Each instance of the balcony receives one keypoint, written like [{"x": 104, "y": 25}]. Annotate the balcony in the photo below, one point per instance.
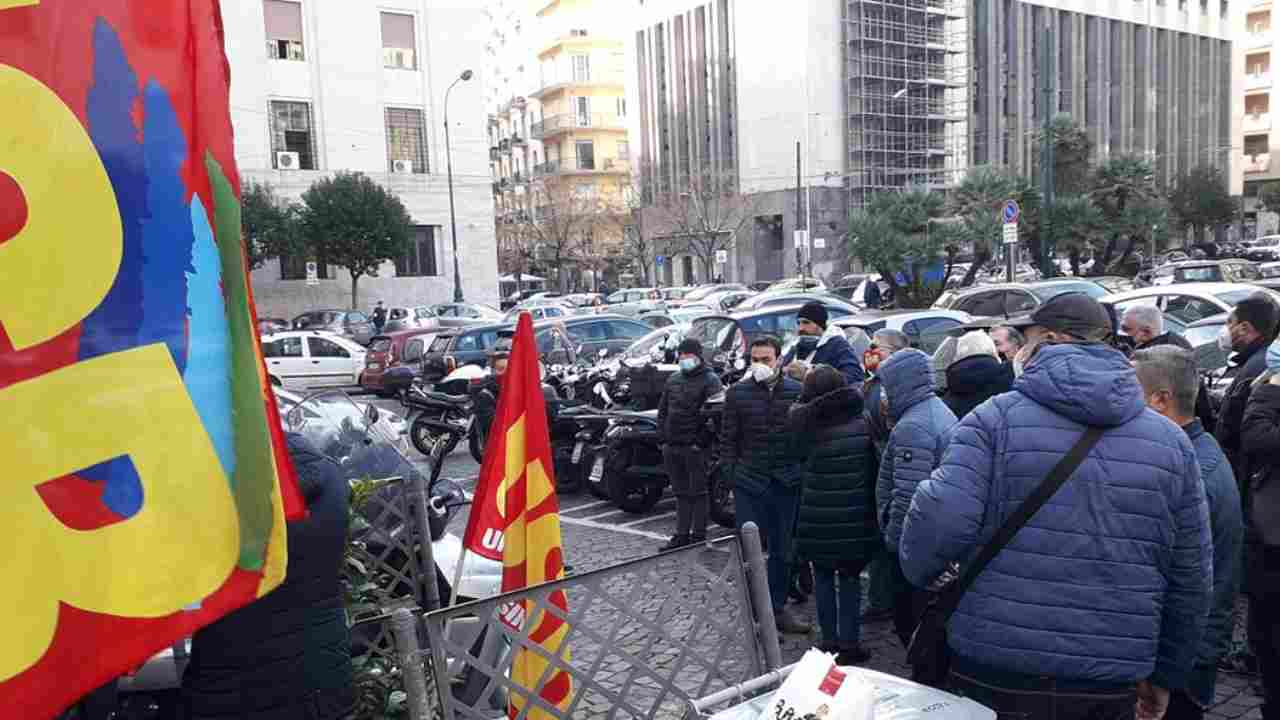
[
  {"x": 600, "y": 78},
  {"x": 1258, "y": 163},
  {"x": 1257, "y": 122},
  {"x": 599, "y": 165},
  {"x": 1257, "y": 81},
  {"x": 565, "y": 122},
  {"x": 1258, "y": 40}
]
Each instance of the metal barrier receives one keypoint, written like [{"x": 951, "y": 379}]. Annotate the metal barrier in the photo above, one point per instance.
[
  {"x": 396, "y": 548},
  {"x": 645, "y": 638}
]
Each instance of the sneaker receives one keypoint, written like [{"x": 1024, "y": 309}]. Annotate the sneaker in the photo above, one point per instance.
[
  {"x": 852, "y": 655},
  {"x": 675, "y": 543},
  {"x": 787, "y": 622}
]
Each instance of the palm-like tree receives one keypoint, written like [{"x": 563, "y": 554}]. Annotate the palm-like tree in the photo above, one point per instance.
[
  {"x": 976, "y": 202},
  {"x": 1126, "y": 194}
]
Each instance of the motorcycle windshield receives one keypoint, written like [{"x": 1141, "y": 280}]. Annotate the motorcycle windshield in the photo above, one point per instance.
[{"x": 358, "y": 440}]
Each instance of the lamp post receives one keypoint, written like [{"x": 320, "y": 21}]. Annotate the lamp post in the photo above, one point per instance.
[{"x": 448, "y": 159}]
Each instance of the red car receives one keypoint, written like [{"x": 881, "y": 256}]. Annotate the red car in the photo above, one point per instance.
[{"x": 385, "y": 352}]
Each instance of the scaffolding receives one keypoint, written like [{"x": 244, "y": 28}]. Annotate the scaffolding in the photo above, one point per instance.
[{"x": 907, "y": 81}]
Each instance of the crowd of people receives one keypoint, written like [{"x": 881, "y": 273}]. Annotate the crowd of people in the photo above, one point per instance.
[{"x": 1112, "y": 594}]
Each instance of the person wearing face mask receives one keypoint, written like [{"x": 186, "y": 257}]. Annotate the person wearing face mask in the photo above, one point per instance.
[
  {"x": 679, "y": 422},
  {"x": 821, "y": 344},
  {"x": 1096, "y": 607},
  {"x": 1250, "y": 328},
  {"x": 765, "y": 465},
  {"x": 1145, "y": 325},
  {"x": 885, "y": 342}
]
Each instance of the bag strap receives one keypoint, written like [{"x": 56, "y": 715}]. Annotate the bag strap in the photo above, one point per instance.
[{"x": 1050, "y": 485}]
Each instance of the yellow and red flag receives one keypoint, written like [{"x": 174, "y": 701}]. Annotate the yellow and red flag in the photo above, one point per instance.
[
  {"x": 146, "y": 485},
  {"x": 516, "y": 509}
]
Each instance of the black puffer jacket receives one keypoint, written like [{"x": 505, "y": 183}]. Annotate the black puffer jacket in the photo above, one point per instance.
[
  {"x": 1260, "y": 440},
  {"x": 974, "y": 379},
  {"x": 837, "y": 521},
  {"x": 680, "y": 410},
  {"x": 753, "y": 438},
  {"x": 1250, "y": 363},
  {"x": 286, "y": 656}
]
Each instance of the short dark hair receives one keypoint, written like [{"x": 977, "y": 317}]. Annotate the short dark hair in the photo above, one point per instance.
[
  {"x": 1260, "y": 311},
  {"x": 768, "y": 341}
]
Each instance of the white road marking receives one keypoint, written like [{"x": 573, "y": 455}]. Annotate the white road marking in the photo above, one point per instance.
[
  {"x": 612, "y": 528},
  {"x": 597, "y": 516},
  {"x": 585, "y": 506},
  {"x": 643, "y": 520}
]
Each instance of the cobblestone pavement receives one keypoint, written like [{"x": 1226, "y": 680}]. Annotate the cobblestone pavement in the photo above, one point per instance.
[{"x": 597, "y": 535}]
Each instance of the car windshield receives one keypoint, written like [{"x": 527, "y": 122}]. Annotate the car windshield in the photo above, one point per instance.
[
  {"x": 1203, "y": 334},
  {"x": 1048, "y": 292},
  {"x": 441, "y": 343},
  {"x": 711, "y": 332},
  {"x": 639, "y": 350},
  {"x": 1233, "y": 297},
  {"x": 380, "y": 344}
]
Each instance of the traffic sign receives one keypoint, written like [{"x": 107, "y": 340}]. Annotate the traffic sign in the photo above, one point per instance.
[
  {"x": 819, "y": 243},
  {"x": 722, "y": 257},
  {"x": 802, "y": 239},
  {"x": 1010, "y": 213},
  {"x": 1011, "y": 233},
  {"x": 661, "y": 260},
  {"x": 313, "y": 274}
]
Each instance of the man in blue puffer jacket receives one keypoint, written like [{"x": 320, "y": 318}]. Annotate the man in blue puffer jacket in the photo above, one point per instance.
[
  {"x": 921, "y": 422},
  {"x": 1101, "y": 598}
]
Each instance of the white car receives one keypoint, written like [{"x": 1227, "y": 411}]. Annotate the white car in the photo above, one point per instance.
[
  {"x": 307, "y": 360},
  {"x": 925, "y": 328},
  {"x": 1187, "y": 302}
]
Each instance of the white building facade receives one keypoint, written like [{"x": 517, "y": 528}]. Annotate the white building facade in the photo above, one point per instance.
[{"x": 320, "y": 87}]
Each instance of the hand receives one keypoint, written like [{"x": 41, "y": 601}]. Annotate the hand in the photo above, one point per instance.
[
  {"x": 797, "y": 369},
  {"x": 1153, "y": 701}
]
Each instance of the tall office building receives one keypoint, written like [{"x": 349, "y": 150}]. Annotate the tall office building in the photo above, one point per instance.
[
  {"x": 322, "y": 87},
  {"x": 1256, "y": 47}
]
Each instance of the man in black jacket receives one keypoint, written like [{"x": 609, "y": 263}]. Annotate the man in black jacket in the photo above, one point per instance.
[
  {"x": 679, "y": 422},
  {"x": 1145, "y": 324},
  {"x": 764, "y": 463},
  {"x": 1251, "y": 326},
  {"x": 1260, "y": 441}
]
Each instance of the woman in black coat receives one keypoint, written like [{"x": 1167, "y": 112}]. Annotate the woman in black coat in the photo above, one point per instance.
[
  {"x": 836, "y": 529},
  {"x": 287, "y": 655}
]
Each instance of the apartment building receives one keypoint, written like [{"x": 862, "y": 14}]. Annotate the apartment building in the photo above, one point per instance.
[
  {"x": 321, "y": 87},
  {"x": 557, "y": 131},
  {"x": 1257, "y": 45}
]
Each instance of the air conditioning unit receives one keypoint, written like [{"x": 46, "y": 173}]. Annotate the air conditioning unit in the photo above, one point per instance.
[
  {"x": 402, "y": 166},
  {"x": 287, "y": 160}
]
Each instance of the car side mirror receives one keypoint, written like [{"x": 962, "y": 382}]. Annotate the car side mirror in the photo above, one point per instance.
[
  {"x": 604, "y": 353},
  {"x": 371, "y": 414}
]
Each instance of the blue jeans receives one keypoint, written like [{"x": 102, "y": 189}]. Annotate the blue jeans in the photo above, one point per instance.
[
  {"x": 774, "y": 512},
  {"x": 839, "y": 611}
]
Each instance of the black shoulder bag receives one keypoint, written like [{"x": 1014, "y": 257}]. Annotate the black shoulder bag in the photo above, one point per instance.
[{"x": 928, "y": 653}]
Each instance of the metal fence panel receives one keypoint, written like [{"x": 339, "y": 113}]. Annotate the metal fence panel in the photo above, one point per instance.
[{"x": 645, "y": 638}]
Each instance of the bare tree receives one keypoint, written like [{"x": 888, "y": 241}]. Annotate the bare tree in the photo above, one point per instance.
[
  {"x": 702, "y": 214},
  {"x": 564, "y": 227}
]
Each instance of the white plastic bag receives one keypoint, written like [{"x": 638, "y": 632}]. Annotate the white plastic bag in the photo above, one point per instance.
[{"x": 817, "y": 689}]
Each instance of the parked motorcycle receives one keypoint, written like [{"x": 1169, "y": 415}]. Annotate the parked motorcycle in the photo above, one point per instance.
[
  {"x": 632, "y": 471},
  {"x": 436, "y": 414}
]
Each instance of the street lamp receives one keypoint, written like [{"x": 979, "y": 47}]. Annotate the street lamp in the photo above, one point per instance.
[{"x": 448, "y": 159}]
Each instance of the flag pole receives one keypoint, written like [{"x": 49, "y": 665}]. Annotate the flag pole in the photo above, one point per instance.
[{"x": 457, "y": 577}]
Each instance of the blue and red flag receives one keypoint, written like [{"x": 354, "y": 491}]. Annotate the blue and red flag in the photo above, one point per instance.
[{"x": 146, "y": 485}]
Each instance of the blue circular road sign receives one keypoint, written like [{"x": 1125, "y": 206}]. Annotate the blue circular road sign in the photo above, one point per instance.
[{"x": 1010, "y": 212}]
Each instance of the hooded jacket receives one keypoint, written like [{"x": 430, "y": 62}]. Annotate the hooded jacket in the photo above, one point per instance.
[
  {"x": 837, "y": 518},
  {"x": 833, "y": 349},
  {"x": 921, "y": 423},
  {"x": 680, "y": 409},
  {"x": 974, "y": 379},
  {"x": 1110, "y": 580}
]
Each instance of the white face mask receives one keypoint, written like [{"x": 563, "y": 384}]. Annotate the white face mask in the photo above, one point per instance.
[
  {"x": 1017, "y": 367},
  {"x": 761, "y": 373},
  {"x": 1224, "y": 339}
]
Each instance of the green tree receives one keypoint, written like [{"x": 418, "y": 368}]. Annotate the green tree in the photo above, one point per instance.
[
  {"x": 894, "y": 235},
  {"x": 1078, "y": 228},
  {"x": 976, "y": 204},
  {"x": 1200, "y": 200},
  {"x": 1072, "y": 148},
  {"x": 1269, "y": 196},
  {"x": 269, "y": 226},
  {"x": 1125, "y": 193},
  {"x": 353, "y": 222}
]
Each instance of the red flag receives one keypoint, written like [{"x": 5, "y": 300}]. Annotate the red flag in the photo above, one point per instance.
[{"x": 146, "y": 483}]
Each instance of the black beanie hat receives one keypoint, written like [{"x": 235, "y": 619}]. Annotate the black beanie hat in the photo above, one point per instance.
[
  {"x": 814, "y": 312},
  {"x": 689, "y": 346}
]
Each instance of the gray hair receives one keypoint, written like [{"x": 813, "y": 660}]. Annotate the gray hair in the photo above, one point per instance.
[
  {"x": 1148, "y": 317},
  {"x": 1013, "y": 334},
  {"x": 893, "y": 340},
  {"x": 1172, "y": 369}
]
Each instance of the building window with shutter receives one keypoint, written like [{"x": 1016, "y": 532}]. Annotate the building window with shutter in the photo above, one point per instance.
[
  {"x": 586, "y": 151},
  {"x": 581, "y": 68},
  {"x": 419, "y": 259},
  {"x": 293, "y": 143},
  {"x": 284, "y": 29},
  {"x": 399, "y": 45},
  {"x": 622, "y": 107},
  {"x": 406, "y": 140}
]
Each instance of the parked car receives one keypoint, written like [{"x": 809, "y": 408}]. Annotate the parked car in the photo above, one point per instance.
[
  {"x": 702, "y": 291},
  {"x": 926, "y": 329},
  {"x": 759, "y": 285},
  {"x": 1188, "y": 302},
  {"x": 1014, "y": 299},
  {"x": 726, "y": 337},
  {"x": 451, "y": 349},
  {"x": 808, "y": 283},
  {"x": 790, "y": 297},
  {"x": 350, "y": 324},
  {"x": 540, "y": 310},
  {"x": 1187, "y": 271},
  {"x": 726, "y": 300},
  {"x": 465, "y": 314},
  {"x": 410, "y": 318},
  {"x": 1264, "y": 249},
  {"x": 635, "y": 301},
  {"x": 689, "y": 312},
  {"x": 386, "y": 351},
  {"x": 271, "y": 325},
  {"x": 1114, "y": 283},
  {"x": 306, "y": 360},
  {"x": 675, "y": 296},
  {"x": 1203, "y": 336},
  {"x": 656, "y": 319},
  {"x": 614, "y": 333}
]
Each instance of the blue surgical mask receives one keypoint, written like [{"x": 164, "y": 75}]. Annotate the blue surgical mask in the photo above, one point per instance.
[
  {"x": 688, "y": 364},
  {"x": 1273, "y": 356}
]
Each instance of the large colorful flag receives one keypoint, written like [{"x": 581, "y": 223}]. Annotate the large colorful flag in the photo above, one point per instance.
[
  {"x": 516, "y": 499},
  {"x": 145, "y": 482}
]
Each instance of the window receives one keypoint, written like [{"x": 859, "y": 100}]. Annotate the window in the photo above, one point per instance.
[
  {"x": 987, "y": 304},
  {"x": 291, "y": 132},
  {"x": 399, "y": 48},
  {"x": 419, "y": 259},
  {"x": 290, "y": 347},
  {"x": 590, "y": 331},
  {"x": 322, "y": 348},
  {"x": 622, "y": 107},
  {"x": 624, "y": 150},
  {"x": 1256, "y": 144},
  {"x": 294, "y": 267},
  {"x": 406, "y": 140},
  {"x": 284, "y": 29},
  {"x": 625, "y": 330},
  {"x": 581, "y": 68},
  {"x": 1019, "y": 302},
  {"x": 582, "y": 111},
  {"x": 586, "y": 152},
  {"x": 1189, "y": 309}
]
